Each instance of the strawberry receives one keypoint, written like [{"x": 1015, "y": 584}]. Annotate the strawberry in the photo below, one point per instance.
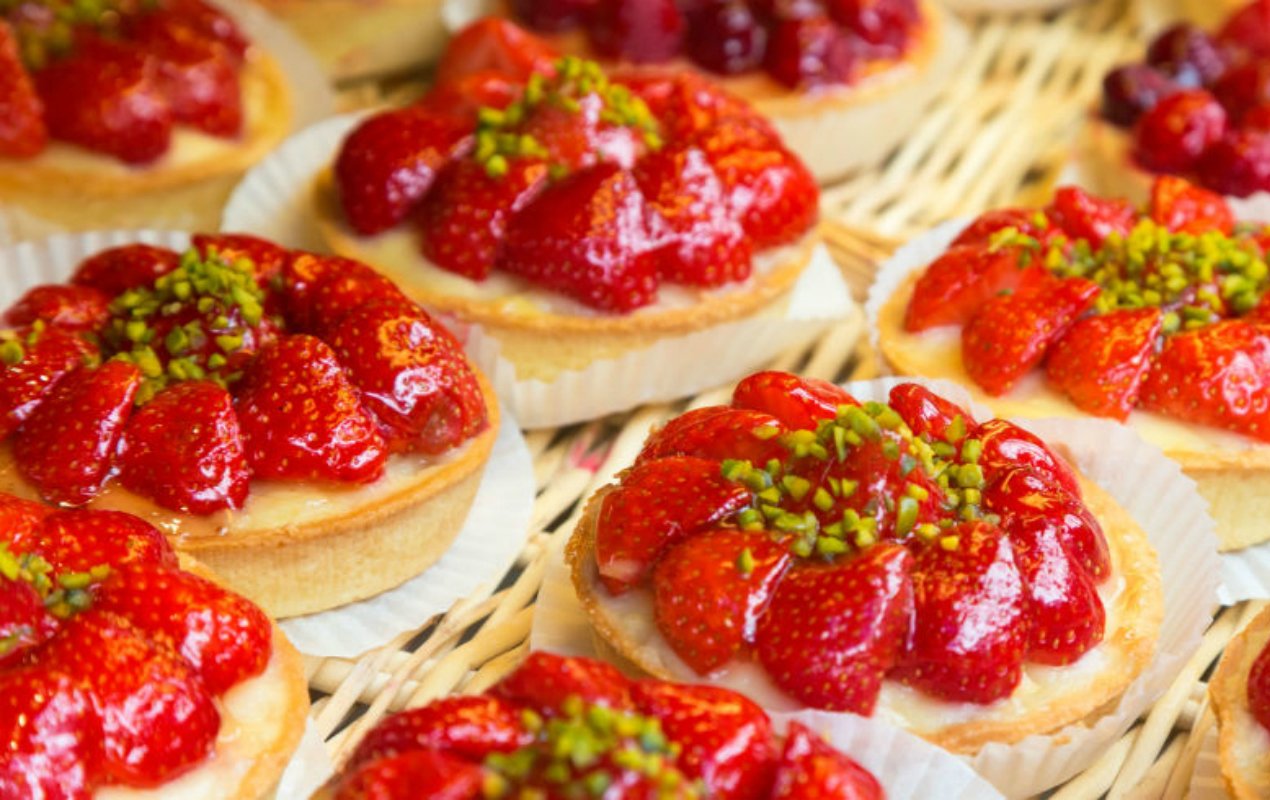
[
  {"x": 464, "y": 98},
  {"x": 1007, "y": 445},
  {"x": 20, "y": 519},
  {"x": 197, "y": 76},
  {"x": 881, "y": 467},
  {"x": 45, "y": 357},
  {"x": 657, "y": 504},
  {"x": 410, "y": 377},
  {"x": 799, "y": 402},
  {"x": 65, "y": 447},
  {"x": 1018, "y": 491},
  {"x": 334, "y": 298},
  {"x": 303, "y": 273},
  {"x": 1084, "y": 216},
  {"x": 24, "y": 622},
  {"x": 494, "y": 44},
  {"x": 582, "y": 134},
  {"x": 1183, "y": 207},
  {"x": 222, "y": 636},
  {"x": 543, "y": 682},
  {"x": 106, "y": 97},
  {"x": 590, "y": 236},
  {"x": 61, "y": 305},
  {"x": 1217, "y": 375},
  {"x": 709, "y": 591},
  {"x": 726, "y": 739},
  {"x": 50, "y": 734},
  {"x": 22, "y": 131},
  {"x": 809, "y": 769},
  {"x": 78, "y": 540},
  {"x": 1023, "y": 220},
  {"x": 118, "y": 269},
  {"x": 469, "y": 727},
  {"x": 718, "y": 432},
  {"x": 686, "y": 103},
  {"x": 210, "y": 21},
  {"x": 464, "y": 218},
  {"x": 552, "y": 15},
  {"x": 831, "y": 633},
  {"x": 183, "y": 450},
  {"x": 389, "y": 161},
  {"x": 954, "y": 286},
  {"x": 1101, "y": 361},
  {"x": 1010, "y": 334},
  {"x": 301, "y": 417},
  {"x": 926, "y": 413},
  {"x": 158, "y": 720},
  {"x": 707, "y": 245},
  {"x": 267, "y": 258},
  {"x": 1258, "y": 688},
  {"x": 418, "y": 773}
]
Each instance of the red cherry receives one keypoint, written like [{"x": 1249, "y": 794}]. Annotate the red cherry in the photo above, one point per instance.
[
  {"x": 1131, "y": 90},
  {"x": 725, "y": 37},
  {"x": 1242, "y": 88},
  {"x": 809, "y": 51},
  {"x": 643, "y": 31},
  {"x": 1188, "y": 54},
  {"x": 552, "y": 15}
]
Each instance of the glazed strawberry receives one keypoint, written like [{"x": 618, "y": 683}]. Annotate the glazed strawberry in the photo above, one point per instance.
[
  {"x": 972, "y": 630},
  {"x": 130, "y": 266},
  {"x": 1025, "y": 221},
  {"x": 1101, "y": 361},
  {"x": 65, "y": 446},
  {"x": 796, "y": 401},
  {"x": 686, "y": 104},
  {"x": 962, "y": 279},
  {"x": 493, "y": 44},
  {"x": 213, "y": 23},
  {"x": 1215, "y": 375},
  {"x": 811, "y": 770},
  {"x": 584, "y": 132},
  {"x": 470, "y": 727},
  {"x": 808, "y": 51},
  {"x": 80, "y": 540},
  {"x": 659, "y": 503},
  {"x": 710, "y": 590},
  {"x": 106, "y": 97},
  {"x": 332, "y": 299},
  {"x": 852, "y": 619},
  {"x": 642, "y": 31},
  {"x": 1172, "y": 136},
  {"x": 410, "y": 377},
  {"x": 302, "y": 275},
  {"x": 1183, "y": 207},
  {"x": 267, "y": 259},
  {"x": 31, "y": 363},
  {"x": 21, "y": 518},
  {"x": 726, "y": 739},
  {"x": 707, "y": 245},
  {"x": 24, "y": 622},
  {"x": 926, "y": 413},
  {"x": 388, "y": 163},
  {"x": 60, "y": 305},
  {"x": 717, "y": 432},
  {"x": 184, "y": 450},
  {"x": 1083, "y": 216},
  {"x": 1004, "y": 444},
  {"x": 1238, "y": 164},
  {"x": 1020, "y": 492},
  {"x": 543, "y": 682},
  {"x": 590, "y": 236},
  {"x": 463, "y": 219},
  {"x": 51, "y": 733},
  {"x": 418, "y": 773},
  {"x": 1010, "y": 334},
  {"x": 158, "y": 720},
  {"x": 197, "y": 76},
  {"x": 22, "y": 131},
  {"x": 1259, "y": 688},
  {"x": 464, "y": 98},
  {"x": 327, "y": 436}
]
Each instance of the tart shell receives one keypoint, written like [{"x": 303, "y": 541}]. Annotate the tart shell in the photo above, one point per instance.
[
  {"x": 1243, "y": 746},
  {"x": 1102, "y": 153}
]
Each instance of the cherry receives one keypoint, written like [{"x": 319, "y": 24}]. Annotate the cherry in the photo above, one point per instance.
[
  {"x": 1249, "y": 28},
  {"x": 1131, "y": 90},
  {"x": 1238, "y": 164},
  {"x": 810, "y": 51},
  {"x": 878, "y": 22},
  {"x": 642, "y": 31},
  {"x": 552, "y": 15},
  {"x": 725, "y": 37},
  {"x": 1172, "y": 136},
  {"x": 1243, "y": 87},
  {"x": 1187, "y": 54},
  {"x": 1256, "y": 118}
]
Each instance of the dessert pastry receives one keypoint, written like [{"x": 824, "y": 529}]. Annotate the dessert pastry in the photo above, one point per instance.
[
  {"x": 574, "y": 727},
  {"x": 825, "y": 73},
  {"x": 123, "y": 675},
  {"x": 572, "y": 217},
  {"x": 292, "y": 420},
  {"x": 123, "y": 114},
  {"x": 1240, "y": 693},
  {"x": 1091, "y": 307},
  {"x": 896, "y": 559}
]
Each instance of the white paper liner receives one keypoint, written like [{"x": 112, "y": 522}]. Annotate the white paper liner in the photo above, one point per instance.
[
  {"x": 491, "y": 537},
  {"x": 1206, "y": 781},
  {"x": 1149, "y": 486},
  {"x": 308, "y": 769},
  {"x": 274, "y": 200}
]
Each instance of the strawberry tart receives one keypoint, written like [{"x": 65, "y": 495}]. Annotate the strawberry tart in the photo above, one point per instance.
[
  {"x": 843, "y": 81},
  {"x": 291, "y": 420},
  {"x": 573, "y": 727},
  {"x": 123, "y": 675},
  {"x": 1240, "y": 693},
  {"x": 1088, "y": 306},
  {"x": 898, "y": 560},
  {"x": 572, "y": 216},
  {"x": 118, "y": 113}
]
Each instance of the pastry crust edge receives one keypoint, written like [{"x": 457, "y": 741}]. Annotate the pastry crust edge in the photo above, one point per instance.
[{"x": 1227, "y": 690}]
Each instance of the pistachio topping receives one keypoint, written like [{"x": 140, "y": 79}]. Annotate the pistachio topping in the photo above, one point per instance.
[
  {"x": 45, "y": 29},
  {"x": 71, "y": 592}
]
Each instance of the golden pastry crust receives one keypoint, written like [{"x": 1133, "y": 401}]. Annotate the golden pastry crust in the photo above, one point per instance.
[
  {"x": 1134, "y": 620},
  {"x": 1102, "y": 155},
  {"x": 1232, "y": 471},
  {"x": 1242, "y": 744}
]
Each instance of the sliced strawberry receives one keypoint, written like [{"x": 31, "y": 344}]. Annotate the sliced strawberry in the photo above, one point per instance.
[
  {"x": 22, "y": 131},
  {"x": 20, "y": 519},
  {"x": 589, "y": 236},
  {"x": 197, "y": 76},
  {"x": 388, "y": 163},
  {"x": 78, "y": 540},
  {"x": 1217, "y": 375},
  {"x": 464, "y": 218},
  {"x": 66, "y": 446},
  {"x": 1007, "y": 445},
  {"x": 657, "y": 504},
  {"x": 1010, "y": 334},
  {"x": 334, "y": 298},
  {"x": 1084, "y": 216},
  {"x": 465, "y": 97},
  {"x": 1020, "y": 492},
  {"x": 52, "y": 736},
  {"x": 419, "y": 773},
  {"x": 410, "y": 377},
  {"x": 582, "y": 133},
  {"x": 130, "y": 266},
  {"x": 880, "y": 467},
  {"x": 24, "y": 622},
  {"x": 954, "y": 286},
  {"x": 1259, "y": 688},
  {"x": 212, "y": 22},
  {"x": 158, "y": 720},
  {"x": 707, "y": 245},
  {"x": 105, "y": 97},
  {"x": 799, "y": 402},
  {"x": 498, "y": 45},
  {"x": 726, "y": 739},
  {"x": 710, "y": 590},
  {"x": 46, "y": 356},
  {"x": 469, "y": 727},
  {"x": 1101, "y": 361},
  {"x": 543, "y": 682},
  {"x": 810, "y": 769},
  {"x": 327, "y": 436},
  {"x": 1184, "y": 207},
  {"x": 223, "y": 636},
  {"x": 267, "y": 258},
  {"x": 303, "y": 273},
  {"x": 61, "y": 305},
  {"x": 686, "y": 103},
  {"x": 925, "y": 412},
  {"x": 718, "y": 432},
  {"x": 980, "y": 232},
  {"x": 831, "y": 633}
]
